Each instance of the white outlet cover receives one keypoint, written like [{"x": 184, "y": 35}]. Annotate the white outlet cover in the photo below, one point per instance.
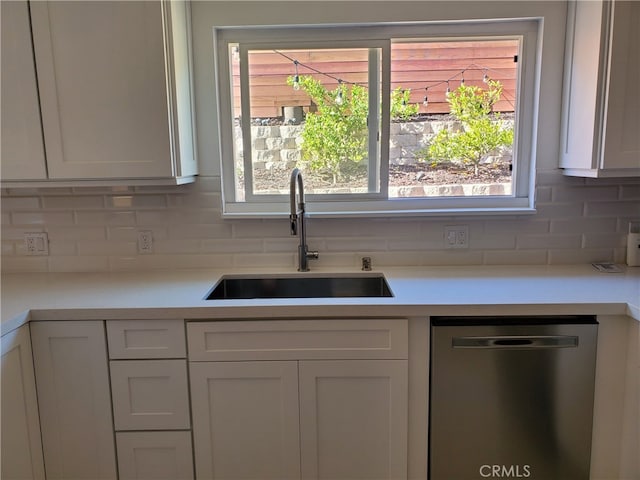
[{"x": 36, "y": 243}]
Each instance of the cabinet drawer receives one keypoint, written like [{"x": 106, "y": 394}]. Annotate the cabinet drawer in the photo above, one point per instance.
[
  {"x": 157, "y": 455},
  {"x": 298, "y": 339},
  {"x": 146, "y": 339},
  {"x": 150, "y": 394}
]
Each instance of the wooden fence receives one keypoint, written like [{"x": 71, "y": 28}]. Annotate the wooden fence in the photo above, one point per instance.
[{"x": 423, "y": 68}]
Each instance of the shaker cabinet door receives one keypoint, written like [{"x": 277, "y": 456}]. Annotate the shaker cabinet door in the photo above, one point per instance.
[
  {"x": 21, "y": 447},
  {"x": 103, "y": 89},
  {"x": 22, "y": 147},
  {"x": 72, "y": 378}
]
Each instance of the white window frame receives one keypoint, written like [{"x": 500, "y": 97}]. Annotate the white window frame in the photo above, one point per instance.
[{"x": 527, "y": 30}]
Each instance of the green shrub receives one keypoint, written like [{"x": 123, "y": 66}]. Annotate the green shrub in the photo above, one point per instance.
[
  {"x": 334, "y": 139},
  {"x": 482, "y": 131}
]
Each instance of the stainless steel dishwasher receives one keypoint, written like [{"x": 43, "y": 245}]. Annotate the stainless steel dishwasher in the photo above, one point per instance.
[{"x": 511, "y": 397}]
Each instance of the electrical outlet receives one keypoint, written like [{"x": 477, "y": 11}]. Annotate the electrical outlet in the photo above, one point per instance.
[
  {"x": 456, "y": 236},
  {"x": 36, "y": 243},
  {"x": 145, "y": 242}
]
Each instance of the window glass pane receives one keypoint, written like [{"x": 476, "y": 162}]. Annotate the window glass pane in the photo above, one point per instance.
[
  {"x": 452, "y": 118},
  {"x": 308, "y": 109}
]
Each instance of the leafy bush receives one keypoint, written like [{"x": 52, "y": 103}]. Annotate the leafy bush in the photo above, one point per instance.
[
  {"x": 401, "y": 107},
  {"x": 482, "y": 132},
  {"x": 334, "y": 139}
]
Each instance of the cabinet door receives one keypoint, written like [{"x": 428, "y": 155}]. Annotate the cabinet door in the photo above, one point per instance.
[
  {"x": 622, "y": 142},
  {"x": 247, "y": 420},
  {"x": 21, "y": 446},
  {"x": 353, "y": 419},
  {"x": 103, "y": 90},
  {"x": 154, "y": 455},
  {"x": 22, "y": 147},
  {"x": 72, "y": 379}
]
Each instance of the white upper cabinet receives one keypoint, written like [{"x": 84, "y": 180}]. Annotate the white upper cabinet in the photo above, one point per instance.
[
  {"x": 601, "y": 102},
  {"x": 22, "y": 147},
  {"x": 115, "y": 91}
]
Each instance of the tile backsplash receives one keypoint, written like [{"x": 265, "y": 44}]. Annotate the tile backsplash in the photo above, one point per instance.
[{"x": 96, "y": 229}]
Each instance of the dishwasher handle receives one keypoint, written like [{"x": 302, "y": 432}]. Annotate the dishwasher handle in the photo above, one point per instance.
[{"x": 517, "y": 342}]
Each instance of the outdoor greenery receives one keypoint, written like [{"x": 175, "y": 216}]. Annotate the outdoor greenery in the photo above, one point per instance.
[
  {"x": 334, "y": 139},
  {"x": 482, "y": 131}
]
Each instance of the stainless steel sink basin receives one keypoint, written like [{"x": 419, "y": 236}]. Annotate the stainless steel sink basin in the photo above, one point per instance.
[{"x": 237, "y": 287}]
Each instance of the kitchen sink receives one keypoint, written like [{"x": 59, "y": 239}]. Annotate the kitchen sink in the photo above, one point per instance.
[{"x": 297, "y": 286}]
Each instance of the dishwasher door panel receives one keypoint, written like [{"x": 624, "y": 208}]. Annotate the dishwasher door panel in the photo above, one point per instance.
[{"x": 511, "y": 401}]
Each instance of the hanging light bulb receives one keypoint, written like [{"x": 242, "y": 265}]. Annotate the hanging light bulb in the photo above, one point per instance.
[
  {"x": 448, "y": 92},
  {"x": 296, "y": 79},
  {"x": 339, "y": 98},
  {"x": 462, "y": 79},
  {"x": 485, "y": 77},
  {"x": 425, "y": 102},
  {"x": 404, "y": 98}
]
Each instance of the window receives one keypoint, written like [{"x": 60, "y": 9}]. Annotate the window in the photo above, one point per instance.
[{"x": 381, "y": 119}]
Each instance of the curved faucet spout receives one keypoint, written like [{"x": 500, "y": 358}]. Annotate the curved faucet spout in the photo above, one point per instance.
[{"x": 296, "y": 217}]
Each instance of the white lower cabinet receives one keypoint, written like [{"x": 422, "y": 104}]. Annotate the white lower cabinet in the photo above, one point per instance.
[
  {"x": 149, "y": 388},
  {"x": 72, "y": 379},
  {"x": 340, "y": 417},
  {"x": 353, "y": 419},
  {"x": 148, "y": 455},
  {"x": 246, "y": 420},
  {"x": 21, "y": 446}
]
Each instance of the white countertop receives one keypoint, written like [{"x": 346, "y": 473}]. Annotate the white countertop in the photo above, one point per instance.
[{"x": 477, "y": 290}]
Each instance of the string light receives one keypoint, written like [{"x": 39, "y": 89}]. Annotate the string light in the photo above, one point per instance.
[
  {"x": 296, "y": 79},
  {"x": 448, "y": 92},
  {"x": 485, "y": 77},
  {"x": 339, "y": 98}
]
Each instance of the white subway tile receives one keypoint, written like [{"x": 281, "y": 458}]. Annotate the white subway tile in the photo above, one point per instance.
[
  {"x": 559, "y": 210},
  {"x": 515, "y": 257},
  {"x": 74, "y": 263},
  {"x": 549, "y": 241},
  {"x": 583, "y": 255},
  {"x": 42, "y": 218},
  {"x": 106, "y": 218},
  {"x": 543, "y": 194},
  {"x": 153, "y": 217},
  {"x": 179, "y": 246},
  {"x": 584, "y": 193},
  {"x": 232, "y": 245},
  {"x": 555, "y": 177},
  {"x": 136, "y": 201},
  {"x": 613, "y": 209},
  {"x": 17, "y": 233},
  {"x": 279, "y": 245},
  {"x": 195, "y": 200},
  {"x": 399, "y": 259},
  {"x": 24, "y": 264},
  {"x": 200, "y": 231},
  {"x": 604, "y": 240},
  {"x": 492, "y": 241},
  {"x": 19, "y": 203},
  {"x": 510, "y": 226},
  {"x": 630, "y": 192},
  {"x": 332, "y": 259},
  {"x": 6, "y": 218},
  {"x": 264, "y": 229},
  {"x": 583, "y": 225},
  {"x": 82, "y": 202},
  {"x": 168, "y": 262},
  {"x": 107, "y": 247},
  {"x": 62, "y": 248},
  {"x": 8, "y": 248},
  {"x": 452, "y": 257},
  {"x": 75, "y": 233},
  {"x": 281, "y": 260},
  {"x": 417, "y": 244},
  {"x": 351, "y": 244},
  {"x": 131, "y": 233}
]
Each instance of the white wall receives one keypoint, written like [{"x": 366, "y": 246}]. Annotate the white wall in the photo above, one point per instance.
[{"x": 95, "y": 229}]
